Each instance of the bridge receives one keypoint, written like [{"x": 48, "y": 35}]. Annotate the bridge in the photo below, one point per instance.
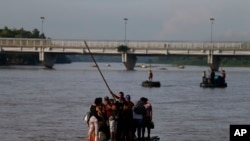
[{"x": 49, "y": 48}]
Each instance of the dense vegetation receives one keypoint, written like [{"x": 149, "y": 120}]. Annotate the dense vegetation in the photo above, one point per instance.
[
  {"x": 122, "y": 48},
  {"x": 28, "y": 58},
  {"x": 20, "y": 33}
]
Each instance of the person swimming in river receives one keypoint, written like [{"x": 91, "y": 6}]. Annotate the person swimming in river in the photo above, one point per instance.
[{"x": 150, "y": 75}]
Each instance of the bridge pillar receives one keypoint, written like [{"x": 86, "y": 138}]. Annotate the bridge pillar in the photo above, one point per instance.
[
  {"x": 49, "y": 60},
  {"x": 214, "y": 62},
  {"x": 129, "y": 60}
]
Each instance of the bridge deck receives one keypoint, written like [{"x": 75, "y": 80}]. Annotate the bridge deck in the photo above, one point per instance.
[{"x": 136, "y": 47}]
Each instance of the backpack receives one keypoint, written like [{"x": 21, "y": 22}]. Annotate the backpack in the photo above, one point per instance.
[
  {"x": 86, "y": 117},
  {"x": 139, "y": 108}
]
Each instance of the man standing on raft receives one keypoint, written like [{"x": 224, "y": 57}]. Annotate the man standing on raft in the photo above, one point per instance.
[{"x": 150, "y": 75}]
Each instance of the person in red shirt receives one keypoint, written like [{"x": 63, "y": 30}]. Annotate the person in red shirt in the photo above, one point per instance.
[
  {"x": 150, "y": 75},
  {"x": 147, "y": 119}
]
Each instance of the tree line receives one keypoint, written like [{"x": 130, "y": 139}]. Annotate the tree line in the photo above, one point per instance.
[
  {"x": 20, "y": 33},
  {"x": 26, "y": 58}
]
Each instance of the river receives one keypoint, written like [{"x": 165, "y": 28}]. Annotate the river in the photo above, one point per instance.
[{"x": 38, "y": 104}]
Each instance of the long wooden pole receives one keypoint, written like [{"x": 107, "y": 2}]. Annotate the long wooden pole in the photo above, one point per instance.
[{"x": 97, "y": 66}]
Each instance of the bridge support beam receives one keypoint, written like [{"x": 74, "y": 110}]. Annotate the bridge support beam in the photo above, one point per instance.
[
  {"x": 48, "y": 59},
  {"x": 129, "y": 60},
  {"x": 214, "y": 62}
]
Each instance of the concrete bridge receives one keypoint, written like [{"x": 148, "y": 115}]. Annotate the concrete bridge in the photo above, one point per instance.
[{"x": 49, "y": 48}]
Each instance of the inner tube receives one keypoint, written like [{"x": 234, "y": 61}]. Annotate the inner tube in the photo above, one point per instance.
[{"x": 151, "y": 84}]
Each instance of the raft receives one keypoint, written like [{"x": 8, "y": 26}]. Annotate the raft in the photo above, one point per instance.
[
  {"x": 151, "y": 83},
  {"x": 210, "y": 85},
  {"x": 219, "y": 82},
  {"x": 154, "y": 138}
]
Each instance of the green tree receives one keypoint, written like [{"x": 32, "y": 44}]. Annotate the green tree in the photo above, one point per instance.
[
  {"x": 36, "y": 33},
  {"x": 26, "y": 59},
  {"x": 6, "y": 32}
]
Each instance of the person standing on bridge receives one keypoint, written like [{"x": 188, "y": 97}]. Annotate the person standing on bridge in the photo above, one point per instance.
[{"x": 150, "y": 75}]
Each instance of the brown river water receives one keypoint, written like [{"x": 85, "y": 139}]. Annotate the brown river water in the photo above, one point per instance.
[{"x": 37, "y": 104}]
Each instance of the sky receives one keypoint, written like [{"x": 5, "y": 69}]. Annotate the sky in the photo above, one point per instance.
[{"x": 166, "y": 20}]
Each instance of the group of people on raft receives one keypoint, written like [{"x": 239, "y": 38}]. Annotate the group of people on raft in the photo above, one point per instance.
[
  {"x": 213, "y": 79},
  {"x": 119, "y": 119}
]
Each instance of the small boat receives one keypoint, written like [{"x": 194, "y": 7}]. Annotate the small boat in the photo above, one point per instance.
[
  {"x": 181, "y": 66},
  {"x": 151, "y": 83},
  {"x": 163, "y": 68},
  {"x": 144, "y": 66},
  {"x": 107, "y": 65},
  {"x": 219, "y": 82}
]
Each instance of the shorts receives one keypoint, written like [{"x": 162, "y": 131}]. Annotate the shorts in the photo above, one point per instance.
[
  {"x": 102, "y": 136},
  {"x": 113, "y": 125},
  {"x": 147, "y": 122}
]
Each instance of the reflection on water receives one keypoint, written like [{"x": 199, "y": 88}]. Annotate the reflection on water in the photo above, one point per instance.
[{"x": 39, "y": 104}]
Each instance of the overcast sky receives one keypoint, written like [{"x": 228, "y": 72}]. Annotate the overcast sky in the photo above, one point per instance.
[{"x": 187, "y": 20}]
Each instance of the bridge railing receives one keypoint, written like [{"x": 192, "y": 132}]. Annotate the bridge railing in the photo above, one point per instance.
[
  {"x": 24, "y": 42},
  {"x": 16, "y": 42},
  {"x": 187, "y": 45},
  {"x": 91, "y": 44}
]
